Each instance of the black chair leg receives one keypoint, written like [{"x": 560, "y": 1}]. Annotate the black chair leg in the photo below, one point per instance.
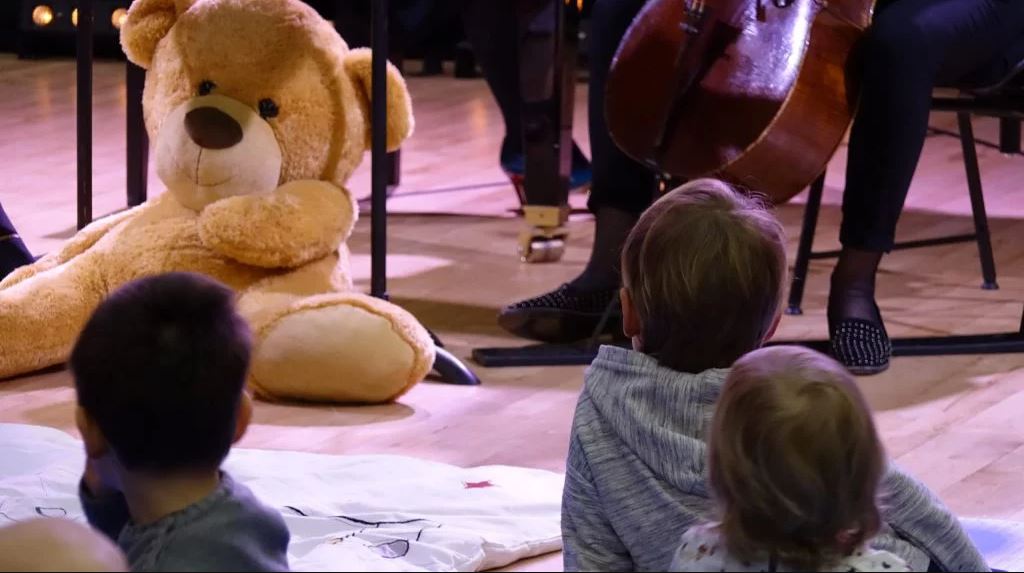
[
  {"x": 803, "y": 253},
  {"x": 84, "y": 112},
  {"x": 988, "y": 265},
  {"x": 1009, "y": 135},
  {"x": 138, "y": 140}
]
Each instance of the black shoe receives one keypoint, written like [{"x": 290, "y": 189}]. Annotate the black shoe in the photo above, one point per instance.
[
  {"x": 564, "y": 315},
  {"x": 861, "y": 345}
]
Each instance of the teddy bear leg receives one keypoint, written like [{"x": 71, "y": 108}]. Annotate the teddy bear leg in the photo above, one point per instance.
[
  {"x": 341, "y": 348},
  {"x": 40, "y": 318}
]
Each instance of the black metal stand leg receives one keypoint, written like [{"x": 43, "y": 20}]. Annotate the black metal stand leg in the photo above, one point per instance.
[
  {"x": 447, "y": 366},
  {"x": 138, "y": 140},
  {"x": 803, "y": 253},
  {"x": 1009, "y": 135},
  {"x": 394, "y": 169},
  {"x": 452, "y": 370},
  {"x": 988, "y": 264},
  {"x": 84, "y": 111}
]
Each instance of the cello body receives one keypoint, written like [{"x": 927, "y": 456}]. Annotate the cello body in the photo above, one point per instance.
[{"x": 757, "y": 92}]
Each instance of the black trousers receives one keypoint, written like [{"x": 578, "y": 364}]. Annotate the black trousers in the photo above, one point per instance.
[
  {"x": 618, "y": 181},
  {"x": 912, "y": 47}
]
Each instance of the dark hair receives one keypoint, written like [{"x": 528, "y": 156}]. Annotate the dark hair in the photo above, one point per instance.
[
  {"x": 161, "y": 367},
  {"x": 794, "y": 459},
  {"x": 704, "y": 267}
]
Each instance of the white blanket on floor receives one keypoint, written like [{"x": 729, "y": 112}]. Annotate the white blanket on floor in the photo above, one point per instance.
[
  {"x": 345, "y": 513},
  {"x": 372, "y": 513}
]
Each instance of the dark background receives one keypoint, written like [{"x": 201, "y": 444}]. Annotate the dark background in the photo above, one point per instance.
[{"x": 419, "y": 28}]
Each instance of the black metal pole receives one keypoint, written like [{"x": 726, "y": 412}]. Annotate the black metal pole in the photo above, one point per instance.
[
  {"x": 450, "y": 368},
  {"x": 84, "y": 96},
  {"x": 379, "y": 152}
]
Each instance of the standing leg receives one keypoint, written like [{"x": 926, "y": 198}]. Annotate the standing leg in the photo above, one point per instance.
[
  {"x": 13, "y": 252},
  {"x": 621, "y": 190},
  {"x": 492, "y": 31},
  {"x": 913, "y": 46}
]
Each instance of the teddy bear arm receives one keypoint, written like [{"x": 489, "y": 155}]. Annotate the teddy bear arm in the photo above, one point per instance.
[{"x": 302, "y": 221}]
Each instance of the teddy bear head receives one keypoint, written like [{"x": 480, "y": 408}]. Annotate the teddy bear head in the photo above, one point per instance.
[{"x": 242, "y": 96}]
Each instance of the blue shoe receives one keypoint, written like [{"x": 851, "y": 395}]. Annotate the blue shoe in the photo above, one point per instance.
[{"x": 514, "y": 165}]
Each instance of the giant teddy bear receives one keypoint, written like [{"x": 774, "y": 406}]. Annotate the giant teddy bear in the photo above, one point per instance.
[{"x": 258, "y": 113}]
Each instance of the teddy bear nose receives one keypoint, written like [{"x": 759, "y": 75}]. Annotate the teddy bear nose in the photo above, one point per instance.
[{"x": 211, "y": 128}]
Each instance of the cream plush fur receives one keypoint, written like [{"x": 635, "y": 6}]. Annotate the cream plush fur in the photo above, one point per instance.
[{"x": 258, "y": 203}]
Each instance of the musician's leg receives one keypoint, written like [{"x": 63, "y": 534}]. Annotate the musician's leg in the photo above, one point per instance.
[
  {"x": 913, "y": 46},
  {"x": 491, "y": 30},
  {"x": 13, "y": 252},
  {"x": 621, "y": 190}
]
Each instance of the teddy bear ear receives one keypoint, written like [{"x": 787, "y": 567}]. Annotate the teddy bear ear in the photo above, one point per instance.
[
  {"x": 400, "y": 120},
  {"x": 147, "y": 23}
]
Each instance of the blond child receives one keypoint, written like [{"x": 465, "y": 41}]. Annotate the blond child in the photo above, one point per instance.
[
  {"x": 703, "y": 274},
  {"x": 794, "y": 464}
]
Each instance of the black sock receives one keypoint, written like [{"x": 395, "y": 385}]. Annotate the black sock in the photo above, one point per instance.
[
  {"x": 612, "y": 226},
  {"x": 852, "y": 294}
]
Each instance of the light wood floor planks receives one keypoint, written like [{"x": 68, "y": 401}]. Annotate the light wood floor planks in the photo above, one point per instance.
[{"x": 955, "y": 421}]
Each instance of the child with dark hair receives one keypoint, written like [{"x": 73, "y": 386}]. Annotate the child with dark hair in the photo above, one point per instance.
[
  {"x": 703, "y": 273},
  {"x": 794, "y": 465},
  {"x": 160, "y": 372}
]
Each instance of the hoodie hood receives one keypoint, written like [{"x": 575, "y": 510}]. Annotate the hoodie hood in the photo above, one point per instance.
[{"x": 660, "y": 415}]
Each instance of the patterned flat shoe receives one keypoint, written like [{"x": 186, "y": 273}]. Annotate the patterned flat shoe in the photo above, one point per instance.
[
  {"x": 861, "y": 345},
  {"x": 564, "y": 315}
]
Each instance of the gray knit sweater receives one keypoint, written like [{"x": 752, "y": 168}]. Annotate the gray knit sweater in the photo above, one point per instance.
[
  {"x": 635, "y": 475},
  {"x": 230, "y": 530}
]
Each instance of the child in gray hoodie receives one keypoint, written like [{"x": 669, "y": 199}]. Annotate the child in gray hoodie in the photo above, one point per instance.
[{"x": 703, "y": 272}]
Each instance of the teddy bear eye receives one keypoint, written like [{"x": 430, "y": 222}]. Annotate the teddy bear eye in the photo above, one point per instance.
[
  {"x": 206, "y": 87},
  {"x": 268, "y": 108}
]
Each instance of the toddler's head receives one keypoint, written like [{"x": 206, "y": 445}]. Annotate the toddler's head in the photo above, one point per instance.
[
  {"x": 160, "y": 371},
  {"x": 703, "y": 272},
  {"x": 794, "y": 459}
]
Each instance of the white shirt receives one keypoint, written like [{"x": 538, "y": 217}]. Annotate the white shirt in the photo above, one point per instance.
[{"x": 702, "y": 549}]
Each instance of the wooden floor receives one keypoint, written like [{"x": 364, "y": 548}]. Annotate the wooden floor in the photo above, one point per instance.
[{"x": 955, "y": 421}]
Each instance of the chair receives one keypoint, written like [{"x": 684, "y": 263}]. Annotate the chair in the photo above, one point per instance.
[{"x": 1002, "y": 98}]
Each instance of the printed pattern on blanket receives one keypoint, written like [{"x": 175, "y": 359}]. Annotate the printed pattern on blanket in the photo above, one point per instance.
[{"x": 345, "y": 513}]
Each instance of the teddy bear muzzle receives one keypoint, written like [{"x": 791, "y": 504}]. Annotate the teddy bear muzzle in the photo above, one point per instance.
[
  {"x": 211, "y": 128},
  {"x": 214, "y": 147}
]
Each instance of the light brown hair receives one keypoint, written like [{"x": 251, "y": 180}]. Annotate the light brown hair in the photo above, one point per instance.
[
  {"x": 794, "y": 459},
  {"x": 704, "y": 267}
]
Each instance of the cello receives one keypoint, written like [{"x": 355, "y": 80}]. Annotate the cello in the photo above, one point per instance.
[{"x": 756, "y": 92}]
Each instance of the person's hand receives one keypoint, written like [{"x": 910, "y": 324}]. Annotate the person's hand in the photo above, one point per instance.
[{"x": 100, "y": 477}]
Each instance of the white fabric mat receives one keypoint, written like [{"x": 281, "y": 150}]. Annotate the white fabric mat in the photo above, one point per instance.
[
  {"x": 372, "y": 513},
  {"x": 346, "y": 513}
]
